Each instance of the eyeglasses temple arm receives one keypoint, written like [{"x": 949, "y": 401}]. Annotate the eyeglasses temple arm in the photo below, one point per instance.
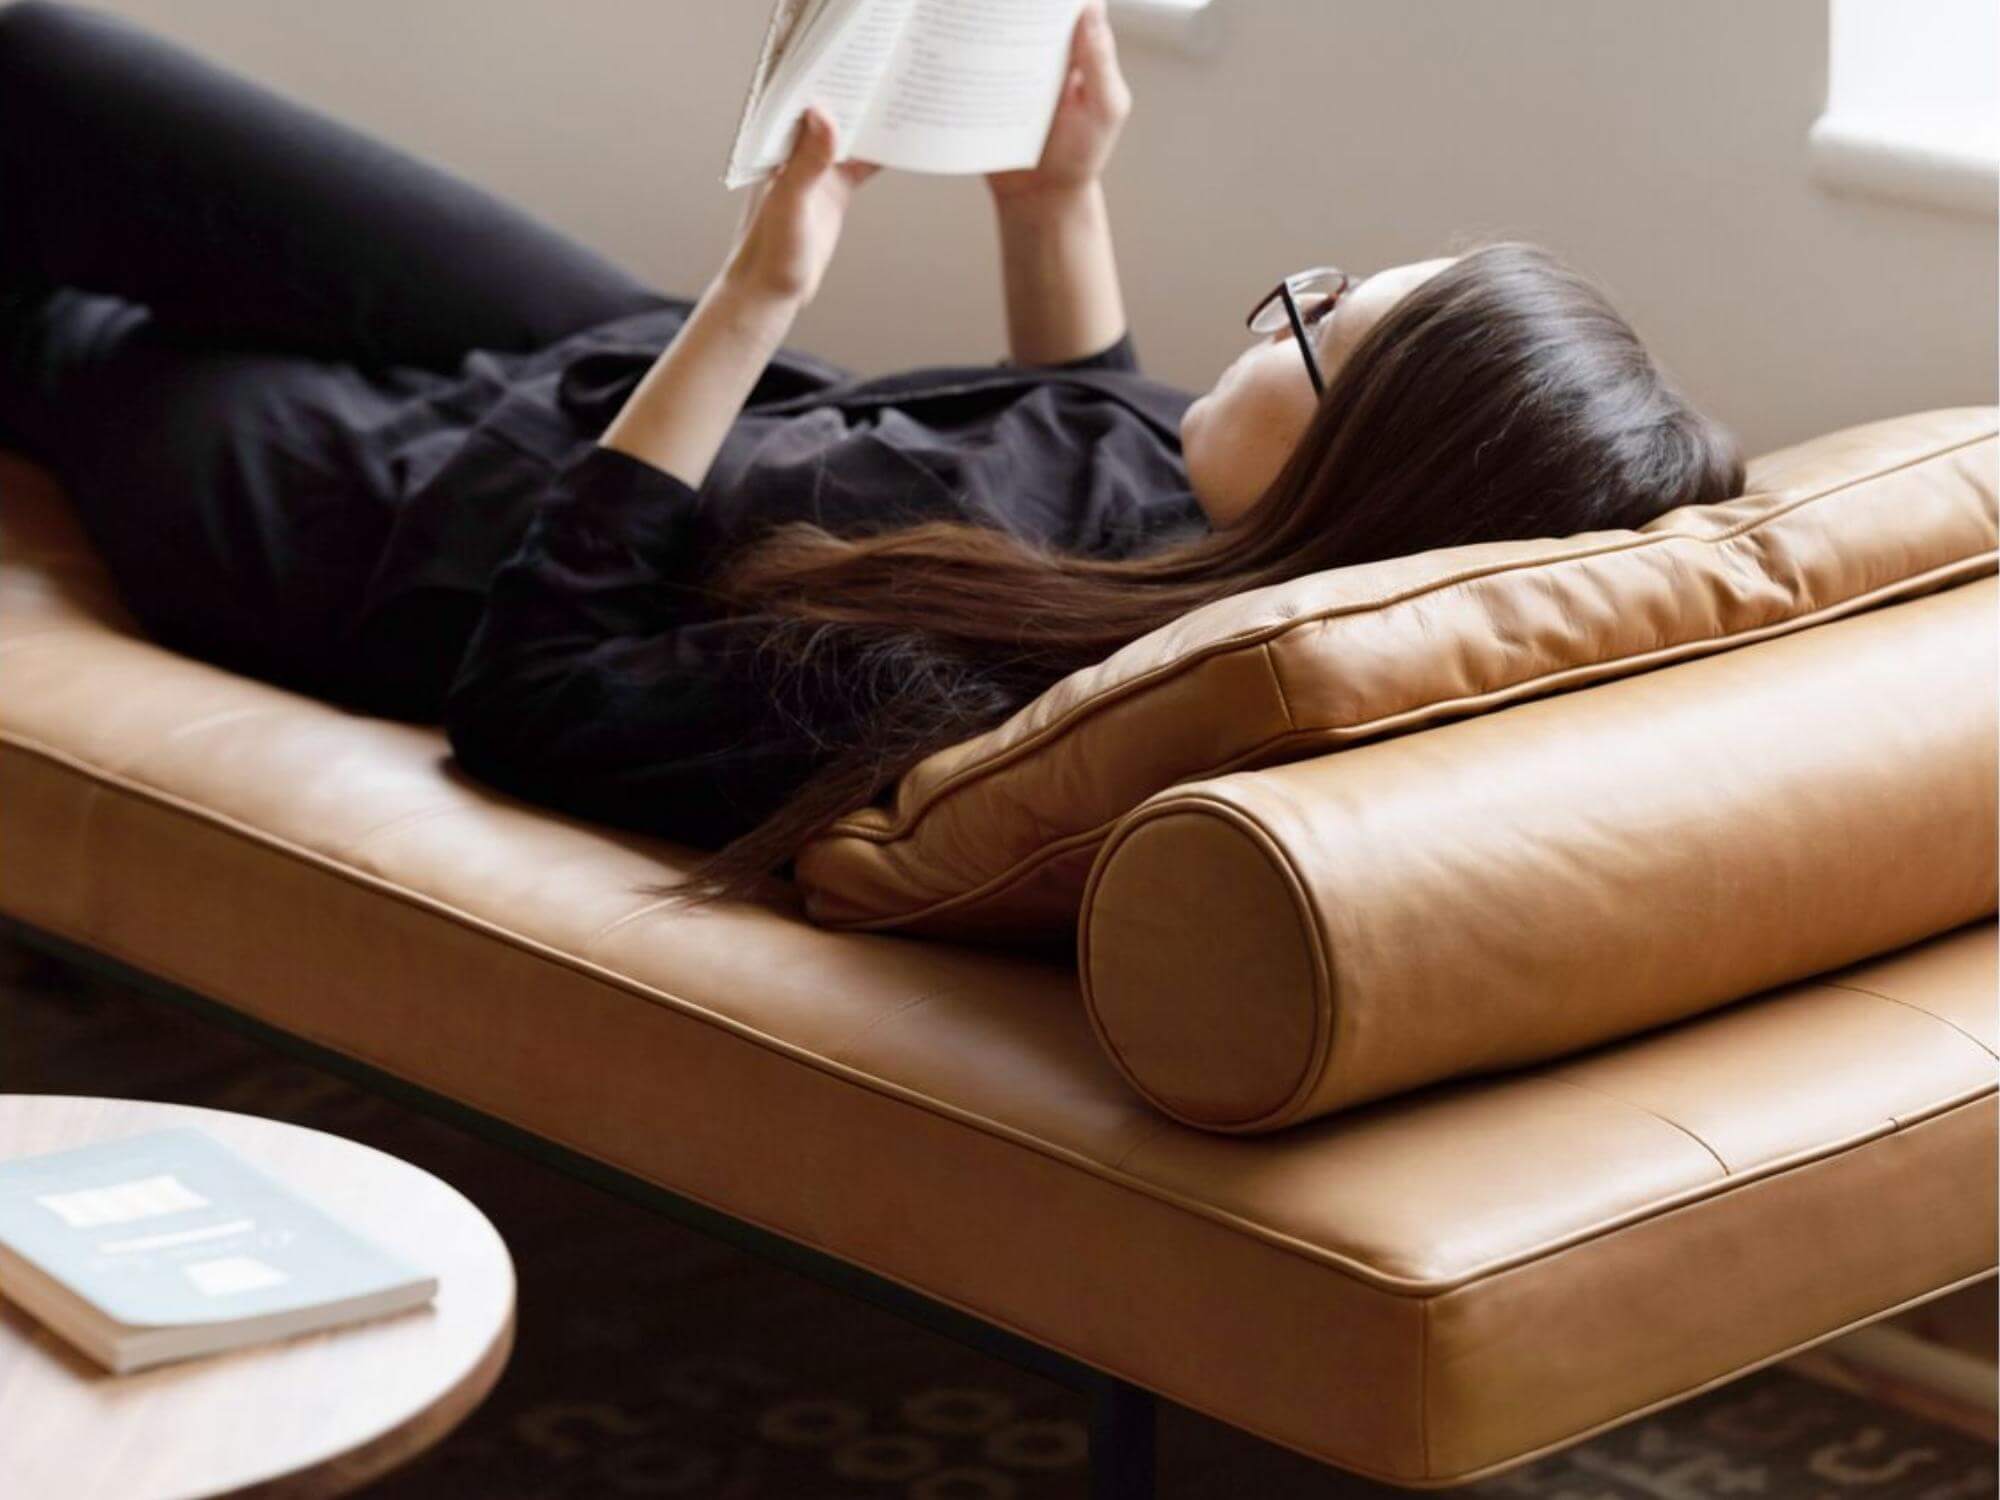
[{"x": 1305, "y": 343}]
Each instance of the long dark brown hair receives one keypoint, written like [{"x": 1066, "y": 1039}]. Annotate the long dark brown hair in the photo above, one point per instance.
[{"x": 1501, "y": 398}]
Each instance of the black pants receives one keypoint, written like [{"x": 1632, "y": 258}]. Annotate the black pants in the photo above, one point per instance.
[{"x": 203, "y": 285}]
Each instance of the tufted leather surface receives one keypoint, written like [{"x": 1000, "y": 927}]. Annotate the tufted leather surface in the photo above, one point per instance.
[
  {"x": 994, "y": 838},
  {"x": 1424, "y": 1289}
]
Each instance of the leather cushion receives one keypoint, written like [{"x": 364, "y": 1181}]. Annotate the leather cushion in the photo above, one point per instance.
[
  {"x": 1261, "y": 948},
  {"x": 993, "y": 838}
]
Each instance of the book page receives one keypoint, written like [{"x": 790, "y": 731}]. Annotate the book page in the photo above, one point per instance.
[
  {"x": 973, "y": 86},
  {"x": 779, "y": 34},
  {"x": 836, "y": 61}
]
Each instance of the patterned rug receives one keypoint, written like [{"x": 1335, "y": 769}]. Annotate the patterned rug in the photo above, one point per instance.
[{"x": 653, "y": 1361}]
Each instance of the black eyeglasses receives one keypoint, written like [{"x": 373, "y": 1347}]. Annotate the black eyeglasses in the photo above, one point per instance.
[{"x": 1304, "y": 297}]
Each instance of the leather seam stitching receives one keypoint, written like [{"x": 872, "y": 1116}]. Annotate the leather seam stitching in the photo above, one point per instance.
[
  {"x": 1159, "y": 1128},
  {"x": 878, "y": 1019},
  {"x": 402, "y": 820},
  {"x": 1941, "y": 1020},
  {"x": 1278, "y": 685},
  {"x": 1727, "y": 1171}
]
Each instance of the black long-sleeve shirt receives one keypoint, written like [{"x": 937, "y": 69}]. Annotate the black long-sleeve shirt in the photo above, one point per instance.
[{"x": 593, "y": 678}]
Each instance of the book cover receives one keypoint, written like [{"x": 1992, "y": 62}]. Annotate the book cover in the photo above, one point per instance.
[{"x": 170, "y": 1229}]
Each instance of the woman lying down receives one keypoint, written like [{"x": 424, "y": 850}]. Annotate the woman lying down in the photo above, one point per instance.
[{"x": 339, "y": 419}]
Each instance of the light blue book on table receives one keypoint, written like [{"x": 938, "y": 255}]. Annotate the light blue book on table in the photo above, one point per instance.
[{"x": 168, "y": 1244}]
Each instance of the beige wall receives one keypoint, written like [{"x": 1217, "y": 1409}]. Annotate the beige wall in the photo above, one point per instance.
[{"x": 1660, "y": 146}]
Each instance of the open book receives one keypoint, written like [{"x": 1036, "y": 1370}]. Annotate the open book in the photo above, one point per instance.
[{"x": 923, "y": 85}]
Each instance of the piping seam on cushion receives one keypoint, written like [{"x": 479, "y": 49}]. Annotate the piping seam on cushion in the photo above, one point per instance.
[
  {"x": 1941, "y": 1020},
  {"x": 1727, "y": 1170}
]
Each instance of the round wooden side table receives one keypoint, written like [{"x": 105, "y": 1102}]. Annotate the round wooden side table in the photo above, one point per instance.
[{"x": 317, "y": 1414}]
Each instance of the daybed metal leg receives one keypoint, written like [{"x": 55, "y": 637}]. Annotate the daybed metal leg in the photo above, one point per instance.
[{"x": 1124, "y": 1429}]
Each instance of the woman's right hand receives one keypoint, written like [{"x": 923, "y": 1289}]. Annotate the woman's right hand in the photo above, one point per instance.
[
  {"x": 1091, "y": 110},
  {"x": 792, "y": 220},
  {"x": 677, "y": 416}
]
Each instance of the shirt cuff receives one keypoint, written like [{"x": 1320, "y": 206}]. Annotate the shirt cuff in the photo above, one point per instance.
[
  {"x": 607, "y": 496},
  {"x": 1120, "y": 354}
]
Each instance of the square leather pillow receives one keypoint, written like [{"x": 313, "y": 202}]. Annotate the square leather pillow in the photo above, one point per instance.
[{"x": 993, "y": 839}]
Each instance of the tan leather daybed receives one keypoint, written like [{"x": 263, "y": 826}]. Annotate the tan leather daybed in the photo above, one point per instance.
[{"x": 1422, "y": 1276}]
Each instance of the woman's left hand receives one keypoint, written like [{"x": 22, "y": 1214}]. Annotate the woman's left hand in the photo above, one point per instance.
[
  {"x": 1096, "y": 101},
  {"x": 793, "y": 216}
]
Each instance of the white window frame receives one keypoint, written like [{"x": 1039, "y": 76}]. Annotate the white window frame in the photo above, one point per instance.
[
  {"x": 1190, "y": 26},
  {"x": 1913, "y": 104}
]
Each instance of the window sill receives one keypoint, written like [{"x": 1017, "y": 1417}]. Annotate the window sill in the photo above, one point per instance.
[
  {"x": 1175, "y": 25},
  {"x": 1918, "y": 160}
]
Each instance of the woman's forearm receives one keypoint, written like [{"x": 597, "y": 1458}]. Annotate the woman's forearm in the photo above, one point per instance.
[
  {"x": 678, "y": 415},
  {"x": 1061, "y": 277}
]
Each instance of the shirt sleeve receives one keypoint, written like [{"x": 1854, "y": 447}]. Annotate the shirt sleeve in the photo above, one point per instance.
[{"x": 600, "y": 680}]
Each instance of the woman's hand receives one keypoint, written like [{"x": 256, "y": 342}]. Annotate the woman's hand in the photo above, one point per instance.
[
  {"x": 1095, "y": 103},
  {"x": 1061, "y": 277},
  {"x": 792, "y": 219},
  {"x": 677, "y": 416}
]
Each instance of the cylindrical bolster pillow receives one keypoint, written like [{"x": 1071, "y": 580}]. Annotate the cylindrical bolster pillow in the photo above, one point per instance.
[{"x": 1261, "y": 948}]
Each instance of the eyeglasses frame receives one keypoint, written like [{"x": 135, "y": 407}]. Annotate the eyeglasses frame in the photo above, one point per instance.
[{"x": 1284, "y": 289}]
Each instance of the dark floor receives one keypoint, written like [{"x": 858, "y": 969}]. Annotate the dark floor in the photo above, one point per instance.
[{"x": 651, "y": 1360}]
